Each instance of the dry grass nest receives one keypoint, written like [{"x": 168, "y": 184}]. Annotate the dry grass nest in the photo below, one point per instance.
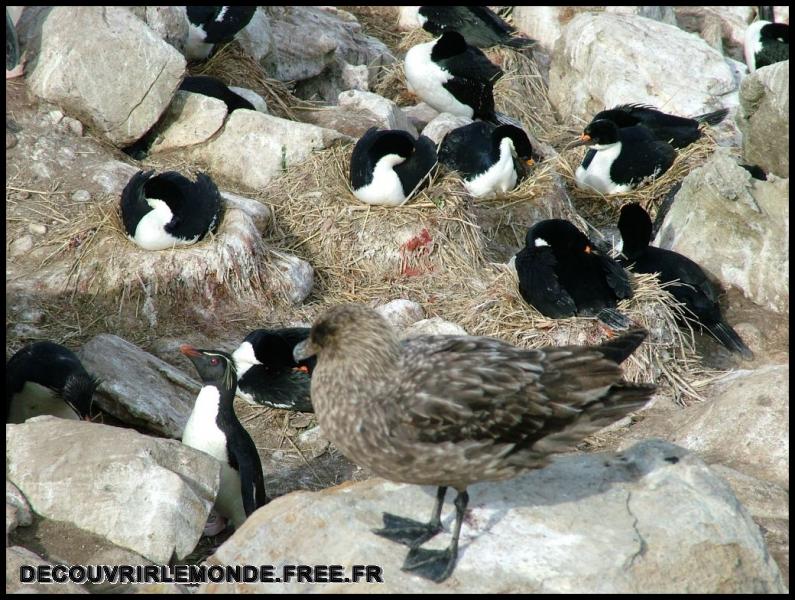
[
  {"x": 234, "y": 66},
  {"x": 88, "y": 252},
  {"x": 602, "y": 210},
  {"x": 432, "y": 251}
]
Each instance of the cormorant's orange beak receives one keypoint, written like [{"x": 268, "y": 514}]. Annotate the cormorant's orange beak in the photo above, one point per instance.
[
  {"x": 583, "y": 139},
  {"x": 302, "y": 369}
]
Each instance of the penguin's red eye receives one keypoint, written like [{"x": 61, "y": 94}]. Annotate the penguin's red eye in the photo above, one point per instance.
[{"x": 213, "y": 361}]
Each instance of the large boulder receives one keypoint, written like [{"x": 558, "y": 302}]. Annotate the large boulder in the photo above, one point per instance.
[
  {"x": 601, "y": 60},
  {"x": 545, "y": 23},
  {"x": 149, "y": 495},
  {"x": 357, "y": 111},
  {"x": 722, "y": 27},
  {"x": 190, "y": 119},
  {"x": 744, "y": 424},
  {"x": 139, "y": 388},
  {"x": 130, "y": 76},
  {"x": 254, "y": 147},
  {"x": 316, "y": 45},
  {"x": 654, "y": 519},
  {"x": 16, "y": 558},
  {"x": 764, "y": 118},
  {"x": 735, "y": 227}
]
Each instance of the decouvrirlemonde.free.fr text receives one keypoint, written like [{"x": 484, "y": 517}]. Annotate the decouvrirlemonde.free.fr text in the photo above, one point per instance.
[{"x": 196, "y": 574}]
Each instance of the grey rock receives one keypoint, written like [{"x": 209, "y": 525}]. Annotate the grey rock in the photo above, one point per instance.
[
  {"x": 127, "y": 55},
  {"x": 149, "y": 495},
  {"x": 258, "y": 101},
  {"x": 21, "y": 246},
  {"x": 18, "y": 513},
  {"x": 433, "y": 326},
  {"x": 169, "y": 22},
  {"x": 721, "y": 206},
  {"x": 744, "y": 424},
  {"x": 384, "y": 111},
  {"x": 256, "y": 38},
  {"x": 190, "y": 119},
  {"x": 725, "y": 24},
  {"x": 442, "y": 125},
  {"x": 764, "y": 118},
  {"x": 111, "y": 177},
  {"x": 253, "y": 147},
  {"x": 544, "y": 23},
  {"x": 592, "y": 48},
  {"x": 654, "y": 519},
  {"x": 297, "y": 277},
  {"x": 81, "y": 196},
  {"x": 139, "y": 388},
  {"x": 401, "y": 313},
  {"x": 316, "y": 42},
  {"x": 420, "y": 115},
  {"x": 73, "y": 125},
  {"x": 357, "y": 111},
  {"x": 16, "y": 557}
]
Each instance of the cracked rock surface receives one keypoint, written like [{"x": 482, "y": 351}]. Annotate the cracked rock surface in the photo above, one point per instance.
[{"x": 652, "y": 519}]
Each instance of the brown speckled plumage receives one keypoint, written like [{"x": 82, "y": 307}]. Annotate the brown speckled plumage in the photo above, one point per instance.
[{"x": 455, "y": 410}]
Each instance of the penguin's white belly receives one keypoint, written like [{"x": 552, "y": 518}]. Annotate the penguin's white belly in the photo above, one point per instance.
[
  {"x": 500, "y": 178},
  {"x": 385, "y": 189},
  {"x": 229, "y": 502},
  {"x": 597, "y": 175},
  {"x": 201, "y": 431},
  {"x": 425, "y": 79},
  {"x": 34, "y": 400}
]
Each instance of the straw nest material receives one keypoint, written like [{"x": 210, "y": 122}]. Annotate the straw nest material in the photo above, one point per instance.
[
  {"x": 433, "y": 251},
  {"x": 667, "y": 358},
  {"x": 92, "y": 254},
  {"x": 234, "y": 66}
]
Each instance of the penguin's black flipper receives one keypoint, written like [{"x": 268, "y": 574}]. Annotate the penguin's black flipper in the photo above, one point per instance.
[{"x": 252, "y": 483}]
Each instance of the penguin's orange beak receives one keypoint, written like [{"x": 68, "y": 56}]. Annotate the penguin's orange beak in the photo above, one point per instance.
[
  {"x": 530, "y": 162},
  {"x": 189, "y": 350}
]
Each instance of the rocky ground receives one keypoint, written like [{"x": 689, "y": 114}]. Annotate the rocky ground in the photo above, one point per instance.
[{"x": 714, "y": 493}]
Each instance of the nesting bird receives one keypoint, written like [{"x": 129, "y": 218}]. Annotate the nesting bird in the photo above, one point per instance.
[
  {"x": 452, "y": 76},
  {"x": 620, "y": 158},
  {"x": 451, "y": 411},
  {"x": 490, "y": 159},
  {"x": 215, "y": 88},
  {"x": 766, "y": 42},
  {"x": 479, "y": 25},
  {"x": 45, "y": 378},
  {"x": 562, "y": 274},
  {"x": 214, "y": 429},
  {"x": 389, "y": 166},
  {"x": 694, "y": 289},
  {"x": 677, "y": 131},
  {"x": 169, "y": 209},
  {"x": 210, "y": 25},
  {"x": 267, "y": 373}
]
